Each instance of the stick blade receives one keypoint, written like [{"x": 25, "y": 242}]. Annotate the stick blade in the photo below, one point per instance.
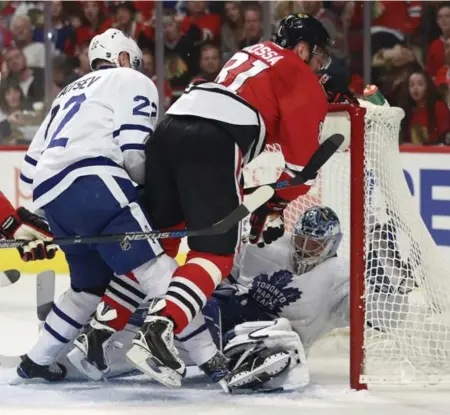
[
  {"x": 258, "y": 198},
  {"x": 9, "y": 277},
  {"x": 45, "y": 293}
]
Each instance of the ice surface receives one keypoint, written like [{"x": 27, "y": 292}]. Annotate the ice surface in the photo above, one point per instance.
[{"x": 327, "y": 395}]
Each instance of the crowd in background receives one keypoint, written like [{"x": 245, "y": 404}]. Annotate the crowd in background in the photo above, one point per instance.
[{"x": 410, "y": 51}]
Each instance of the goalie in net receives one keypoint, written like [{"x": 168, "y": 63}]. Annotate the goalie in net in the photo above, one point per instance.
[{"x": 280, "y": 299}]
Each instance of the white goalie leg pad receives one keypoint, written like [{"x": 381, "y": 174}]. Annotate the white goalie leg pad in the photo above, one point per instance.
[
  {"x": 278, "y": 338},
  {"x": 63, "y": 323}
]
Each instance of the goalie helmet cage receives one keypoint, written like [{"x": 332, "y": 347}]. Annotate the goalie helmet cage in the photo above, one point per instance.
[{"x": 400, "y": 289}]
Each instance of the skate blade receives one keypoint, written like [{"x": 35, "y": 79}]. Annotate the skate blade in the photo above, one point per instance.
[
  {"x": 140, "y": 359},
  {"x": 78, "y": 360},
  {"x": 274, "y": 366}
]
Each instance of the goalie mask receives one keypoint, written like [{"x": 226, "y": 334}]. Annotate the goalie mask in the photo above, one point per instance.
[{"x": 316, "y": 237}]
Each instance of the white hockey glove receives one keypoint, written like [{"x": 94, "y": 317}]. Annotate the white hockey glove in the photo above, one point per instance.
[{"x": 266, "y": 355}]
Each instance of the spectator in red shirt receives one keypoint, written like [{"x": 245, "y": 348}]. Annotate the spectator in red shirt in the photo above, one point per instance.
[
  {"x": 427, "y": 117},
  {"x": 436, "y": 51},
  {"x": 93, "y": 20},
  {"x": 208, "y": 23},
  {"x": 392, "y": 20}
]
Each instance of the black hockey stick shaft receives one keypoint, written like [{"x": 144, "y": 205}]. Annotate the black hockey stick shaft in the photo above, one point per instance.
[
  {"x": 257, "y": 196},
  {"x": 251, "y": 203},
  {"x": 309, "y": 172}
]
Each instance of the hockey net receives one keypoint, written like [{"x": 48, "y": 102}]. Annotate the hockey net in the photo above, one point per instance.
[{"x": 400, "y": 319}]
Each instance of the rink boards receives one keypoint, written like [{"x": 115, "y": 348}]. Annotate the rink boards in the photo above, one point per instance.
[{"x": 427, "y": 172}]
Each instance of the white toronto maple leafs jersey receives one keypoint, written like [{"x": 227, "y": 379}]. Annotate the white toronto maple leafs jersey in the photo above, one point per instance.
[
  {"x": 315, "y": 302},
  {"x": 97, "y": 125}
]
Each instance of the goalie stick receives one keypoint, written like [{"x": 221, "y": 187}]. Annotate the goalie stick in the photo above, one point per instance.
[{"x": 257, "y": 196}]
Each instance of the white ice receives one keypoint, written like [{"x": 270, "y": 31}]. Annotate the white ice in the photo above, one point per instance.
[{"x": 328, "y": 393}]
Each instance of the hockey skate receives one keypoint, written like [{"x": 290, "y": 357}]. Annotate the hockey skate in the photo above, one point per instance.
[
  {"x": 89, "y": 355},
  {"x": 153, "y": 351},
  {"x": 54, "y": 372},
  {"x": 217, "y": 369}
]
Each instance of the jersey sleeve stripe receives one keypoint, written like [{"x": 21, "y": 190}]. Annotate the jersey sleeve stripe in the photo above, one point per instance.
[
  {"x": 25, "y": 179},
  {"x": 134, "y": 146},
  {"x": 30, "y": 160},
  {"x": 132, "y": 127}
]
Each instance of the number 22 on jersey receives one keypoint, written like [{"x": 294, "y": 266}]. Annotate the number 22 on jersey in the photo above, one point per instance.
[{"x": 238, "y": 69}]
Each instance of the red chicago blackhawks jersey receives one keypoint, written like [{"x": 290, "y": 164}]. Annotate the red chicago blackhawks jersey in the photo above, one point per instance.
[
  {"x": 289, "y": 97},
  {"x": 271, "y": 89},
  {"x": 6, "y": 209}
]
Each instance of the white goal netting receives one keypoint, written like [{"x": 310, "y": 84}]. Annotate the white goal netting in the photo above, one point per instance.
[{"x": 406, "y": 287}]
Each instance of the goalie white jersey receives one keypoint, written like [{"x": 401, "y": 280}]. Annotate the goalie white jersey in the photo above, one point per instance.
[
  {"x": 314, "y": 302},
  {"x": 97, "y": 125}
]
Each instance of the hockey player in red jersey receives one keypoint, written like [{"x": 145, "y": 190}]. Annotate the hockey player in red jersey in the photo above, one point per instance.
[
  {"x": 267, "y": 93},
  {"x": 22, "y": 224}
]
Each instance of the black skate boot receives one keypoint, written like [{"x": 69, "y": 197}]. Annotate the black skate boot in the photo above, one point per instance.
[
  {"x": 54, "y": 372},
  {"x": 89, "y": 355},
  {"x": 217, "y": 369},
  {"x": 153, "y": 351}
]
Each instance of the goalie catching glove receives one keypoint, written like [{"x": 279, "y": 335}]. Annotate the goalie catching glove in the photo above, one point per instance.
[
  {"x": 27, "y": 226},
  {"x": 267, "y": 223}
]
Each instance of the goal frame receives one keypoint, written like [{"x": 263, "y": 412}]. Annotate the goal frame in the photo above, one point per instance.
[{"x": 357, "y": 238}]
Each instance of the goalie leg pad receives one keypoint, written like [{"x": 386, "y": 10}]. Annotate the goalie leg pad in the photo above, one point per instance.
[
  {"x": 258, "y": 369},
  {"x": 271, "y": 353}
]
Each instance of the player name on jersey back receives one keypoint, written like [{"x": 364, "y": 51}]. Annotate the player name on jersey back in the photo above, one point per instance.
[
  {"x": 267, "y": 54},
  {"x": 79, "y": 85}
]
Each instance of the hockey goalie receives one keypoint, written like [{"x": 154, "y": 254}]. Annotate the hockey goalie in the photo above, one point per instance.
[{"x": 279, "y": 300}]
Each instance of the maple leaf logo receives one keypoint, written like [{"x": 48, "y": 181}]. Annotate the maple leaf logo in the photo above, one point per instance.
[{"x": 272, "y": 292}]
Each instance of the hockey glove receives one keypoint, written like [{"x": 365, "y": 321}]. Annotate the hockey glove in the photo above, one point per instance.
[
  {"x": 267, "y": 223},
  {"x": 30, "y": 227}
]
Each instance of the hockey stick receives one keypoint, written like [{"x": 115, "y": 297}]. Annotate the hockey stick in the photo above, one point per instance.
[
  {"x": 257, "y": 196},
  {"x": 309, "y": 172},
  {"x": 9, "y": 277},
  {"x": 251, "y": 203},
  {"x": 45, "y": 293}
]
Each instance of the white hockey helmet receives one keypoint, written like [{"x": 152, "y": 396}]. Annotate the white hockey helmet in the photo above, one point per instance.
[{"x": 108, "y": 45}]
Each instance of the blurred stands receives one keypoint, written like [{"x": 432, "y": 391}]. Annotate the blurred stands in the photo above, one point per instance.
[{"x": 410, "y": 47}]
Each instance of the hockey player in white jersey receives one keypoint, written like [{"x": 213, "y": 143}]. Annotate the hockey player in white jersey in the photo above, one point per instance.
[
  {"x": 280, "y": 299},
  {"x": 83, "y": 166}
]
